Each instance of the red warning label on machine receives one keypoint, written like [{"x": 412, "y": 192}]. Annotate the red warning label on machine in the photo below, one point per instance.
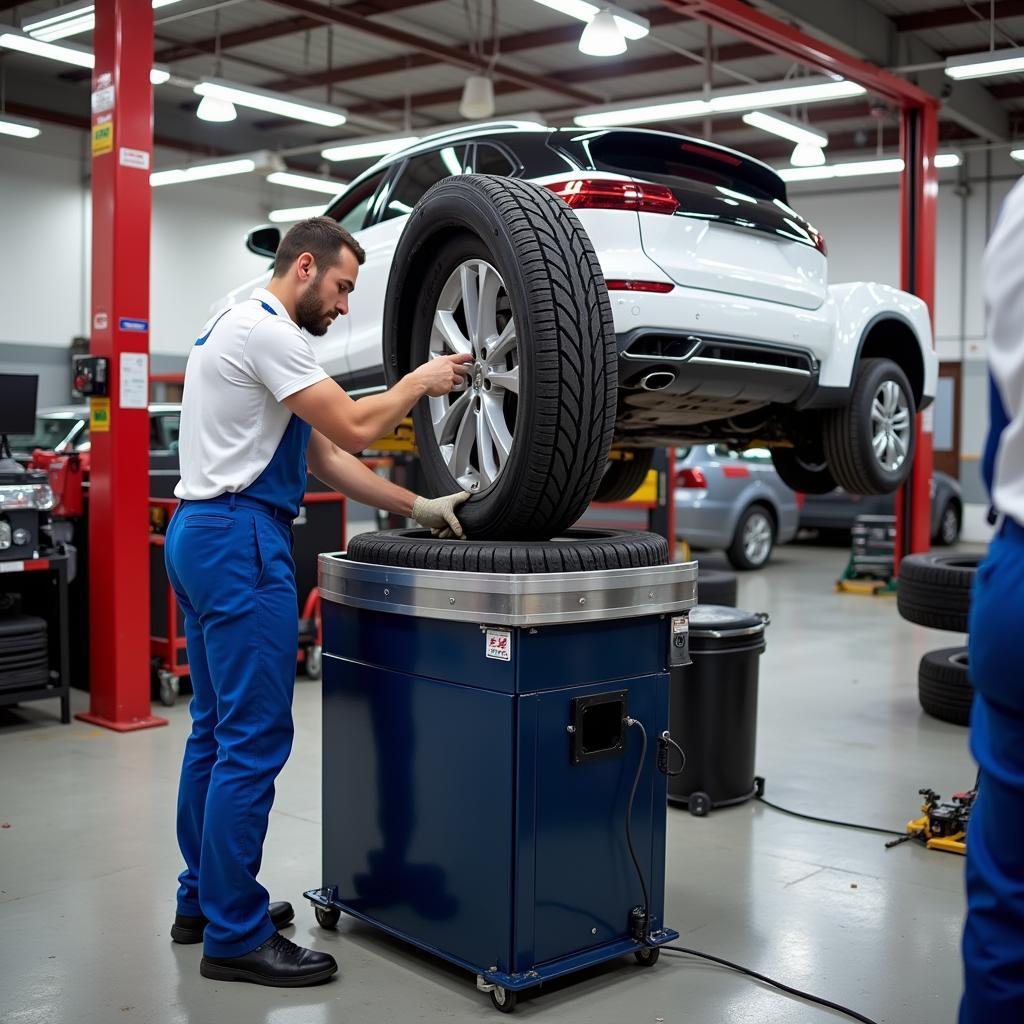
[{"x": 499, "y": 644}]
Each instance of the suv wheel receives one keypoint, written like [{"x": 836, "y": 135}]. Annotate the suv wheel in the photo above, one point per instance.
[
  {"x": 503, "y": 269},
  {"x": 625, "y": 474},
  {"x": 869, "y": 443},
  {"x": 808, "y": 475}
]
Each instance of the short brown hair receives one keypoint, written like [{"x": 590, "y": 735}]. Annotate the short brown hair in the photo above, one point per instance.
[{"x": 320, "y": 236}]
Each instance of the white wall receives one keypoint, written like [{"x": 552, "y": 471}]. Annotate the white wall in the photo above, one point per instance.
[{"x": 197, "y": 245}]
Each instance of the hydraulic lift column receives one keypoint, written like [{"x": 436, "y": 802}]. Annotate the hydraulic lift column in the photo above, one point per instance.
[{"x": 122, "y": 144}]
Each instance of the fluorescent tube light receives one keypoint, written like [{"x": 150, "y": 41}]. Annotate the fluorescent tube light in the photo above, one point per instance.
[
  {"x": 271, "y": 102},
  {"x": 294, "y": 213},
  {"x": 199, "y": 172},
  {"x": 984, "y": 65},
  {"x": 1017, "y": 154},
  {"x": 363, "y": 150},
  {"x": 69, "y": 21},
  {"x": 18, "y": 127},
  {"x": 631, "y": 25},
  {"x": 310, "y": 184},
  {"x": 66, "y": 53},
  {"x": 782, "y": 95},
  {"x": 786, "y": 128},
  {"x": 857, "y": 168}
]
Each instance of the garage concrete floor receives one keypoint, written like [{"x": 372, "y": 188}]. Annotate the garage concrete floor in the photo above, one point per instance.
[{"x": 88, "y": 859}]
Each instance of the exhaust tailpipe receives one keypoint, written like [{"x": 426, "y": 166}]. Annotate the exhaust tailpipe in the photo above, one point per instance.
[{"x": 658, "y": 381}]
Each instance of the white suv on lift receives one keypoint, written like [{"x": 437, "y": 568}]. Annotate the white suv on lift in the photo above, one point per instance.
[{"x": 725, "y": 326}]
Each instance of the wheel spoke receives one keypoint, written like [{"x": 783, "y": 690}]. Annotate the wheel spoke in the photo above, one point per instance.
[
  {"x": 459, "y": 461},
  {"x": 446, "y": 426},
  {"x": 487, "y": 304},
  {"x": 447, "y": 329},
  {"x": 469, "y": 276},
  {"x": 493, "y": 418},
  {"x": 504, "y": 344},
  {"x": 877, "y": 411},
  {"x": 507, "y": 379},
  {"x": 879, "y": 443}
]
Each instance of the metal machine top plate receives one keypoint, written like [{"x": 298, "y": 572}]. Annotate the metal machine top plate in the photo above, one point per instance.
[{"x": 510, "y": 599}]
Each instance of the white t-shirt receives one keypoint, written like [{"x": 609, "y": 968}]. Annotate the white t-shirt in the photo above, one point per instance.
[
  {"x": 247, "y": 360},
  {"x": 1004, "y": 297}
]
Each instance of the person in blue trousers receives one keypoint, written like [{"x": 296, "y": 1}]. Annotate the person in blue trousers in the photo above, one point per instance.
[
  {"x": 993, "y": 941},
  {"x": 257, "y": 410}
]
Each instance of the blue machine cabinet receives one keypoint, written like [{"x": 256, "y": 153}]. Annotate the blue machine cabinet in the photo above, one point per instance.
[{"x": 480, "y": 745}]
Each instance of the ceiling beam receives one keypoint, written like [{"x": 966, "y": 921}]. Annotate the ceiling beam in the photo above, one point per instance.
[
  {"x": 275, "y": 30},
  {"x": 445, "y": 54},
  {"x": 958, "y": 14},
  {"x": 862, "y": 29}
]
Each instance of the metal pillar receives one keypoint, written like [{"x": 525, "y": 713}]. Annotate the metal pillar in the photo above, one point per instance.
[
  {"x": 122, "y": 144},
  {"x": 919, "y": 133}
]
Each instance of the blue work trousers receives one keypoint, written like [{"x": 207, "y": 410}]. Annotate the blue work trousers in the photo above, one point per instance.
[
  {"x": 993, "y": 941},
  {"x": 230, "y": 563}
]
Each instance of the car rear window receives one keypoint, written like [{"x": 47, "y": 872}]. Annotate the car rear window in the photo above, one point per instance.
[{"x": 673, "y": 160}]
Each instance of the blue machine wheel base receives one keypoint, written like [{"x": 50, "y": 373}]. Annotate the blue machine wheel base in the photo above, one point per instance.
[{"x": 325, "y": 903}]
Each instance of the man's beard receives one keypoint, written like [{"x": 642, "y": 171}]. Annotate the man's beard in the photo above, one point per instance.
[{"x": 310, "y": 314}]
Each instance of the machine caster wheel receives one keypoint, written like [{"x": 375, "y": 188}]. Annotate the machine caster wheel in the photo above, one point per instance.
[
  {"x": 327, "y": 917},
  {"x": 314, "y": 661},
  {"x": 169, "y": 688},
  {"x": 504, "y": 999},
  {"x": 648, "y": 956},
  {"x": 699, "y": 804}
]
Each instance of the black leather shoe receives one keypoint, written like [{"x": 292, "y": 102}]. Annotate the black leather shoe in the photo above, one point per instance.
[
  {"x": 188, "y": 930},
  {"x": 278, "y": 962}
]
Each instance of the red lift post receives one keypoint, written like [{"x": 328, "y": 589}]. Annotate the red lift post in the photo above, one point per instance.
[
  {"x": 918, "y": 193},
  {"x": 122, "y": 145}
]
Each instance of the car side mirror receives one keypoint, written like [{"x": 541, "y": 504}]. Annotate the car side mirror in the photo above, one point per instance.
[{"x": 263, "y": 241}]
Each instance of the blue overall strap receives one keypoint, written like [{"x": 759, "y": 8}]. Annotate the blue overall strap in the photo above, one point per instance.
[
  {"x": 997, "y": 423},
  {"x": 268, "y": 308},
  {"x": 202, "y": 340}
]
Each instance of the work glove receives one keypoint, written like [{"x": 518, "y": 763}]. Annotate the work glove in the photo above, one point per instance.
[{"x": 438, "y": 514}]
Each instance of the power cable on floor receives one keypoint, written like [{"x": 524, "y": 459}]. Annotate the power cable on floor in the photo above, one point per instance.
[
  {"x": 788, "y": 989},
  {"x": 645, "y": 911},
  {"x": 828, "y": 821}
]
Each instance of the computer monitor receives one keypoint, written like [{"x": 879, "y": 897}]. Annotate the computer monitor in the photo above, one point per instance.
[{"x": 18, "y": 402}]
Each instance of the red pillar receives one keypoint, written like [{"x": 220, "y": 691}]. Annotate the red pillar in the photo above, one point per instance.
[
  {"x": 122, "y": 145},
  {"x": 918, "y": 201}
]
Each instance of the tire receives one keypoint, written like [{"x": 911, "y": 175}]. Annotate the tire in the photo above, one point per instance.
[
  {"x": 754, "y": 540},
  {"x": 944, "y": 686},
  {"x": 504, "y": 999},
  {"x": 699, "y": 805},
  {"x": 948, "y": 532},
  {"x": 934, "y": 590},
  {"x": 716, "y": 586},
  {"x": 648, "y": 956},
  {"x": 574, "y": 551},
  {"x": 623, "y": 477},
  {"x": 803, "y": 474},
  {"x": 532, "y": 455},
  {"x": 313, "y": 663},
  {"x": 879, "y": 386},
  {"x": 327, "y": 917}
]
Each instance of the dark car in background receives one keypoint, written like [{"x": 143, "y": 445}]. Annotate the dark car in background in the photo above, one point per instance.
[{"x": 838, "y": 510}]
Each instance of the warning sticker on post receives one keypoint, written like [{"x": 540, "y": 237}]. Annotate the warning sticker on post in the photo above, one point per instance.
[
  {"x": 99, "y": 415},
  {"x": 499, "y": 644}
]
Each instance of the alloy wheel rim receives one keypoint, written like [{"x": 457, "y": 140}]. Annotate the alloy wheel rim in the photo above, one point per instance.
[
  {"x": 890, "y": 426},
  {"x": 474, "y": 426},
  {"x": 757, "y": 539}
]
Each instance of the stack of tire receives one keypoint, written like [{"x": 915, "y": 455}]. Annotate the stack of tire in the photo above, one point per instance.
[{"x": 935, "y": 591}]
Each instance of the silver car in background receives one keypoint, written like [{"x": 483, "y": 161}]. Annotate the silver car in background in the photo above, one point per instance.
[{"x": 733, "y": 501}]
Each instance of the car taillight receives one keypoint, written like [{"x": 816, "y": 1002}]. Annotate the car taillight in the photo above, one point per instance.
[
  {"x": 605, "y": 194},
  {"x": 640, "y": 286},
  {"x": 819, "y": 240},
  {"x": 691, "y": 478}
]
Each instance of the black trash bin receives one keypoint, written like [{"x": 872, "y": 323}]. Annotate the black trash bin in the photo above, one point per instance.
[{"x": 713, "y": 708}]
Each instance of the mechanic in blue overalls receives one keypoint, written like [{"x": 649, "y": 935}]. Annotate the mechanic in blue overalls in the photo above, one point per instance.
[
  {"x": 257, "y": 410},
  {"x": 993, "y": 944}
]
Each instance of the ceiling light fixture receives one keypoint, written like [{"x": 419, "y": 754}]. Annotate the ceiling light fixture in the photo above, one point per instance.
[
  {"x": 270, "y": 102},
  {"x": 631, "y": 25},
  {"x": 66, "y": 53},
  {"x": 212, "y": 109},
  {"x": 733, "y": 101},
  {"x": 365, "y": 150},
  {"x": 477, "y": 98},
  {"x": 294, "y": 213},
  {"x": 307, "y": 182},
  {"x": 18, "y": 127},
  {"x": 807, "y": 154},
  {"x": 263, "y": 160},
  {"x": 69, "y": 21},
  {"x": 602, "y": 37},
  {"x": 859, "y": 168},
  {"x": 984, "y": 65},
  {"x": 786, "y": 128}
]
